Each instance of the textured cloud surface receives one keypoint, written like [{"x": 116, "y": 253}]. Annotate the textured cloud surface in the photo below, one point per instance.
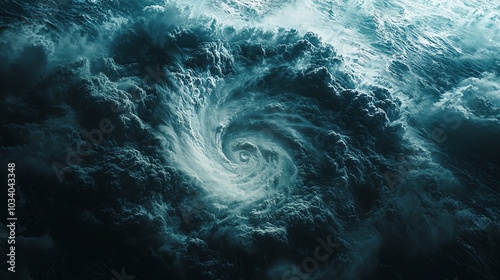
[{"x": 253, "y": 139}]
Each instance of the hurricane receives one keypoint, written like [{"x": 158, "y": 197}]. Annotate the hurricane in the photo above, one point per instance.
[{"x": 252, "y": 139}]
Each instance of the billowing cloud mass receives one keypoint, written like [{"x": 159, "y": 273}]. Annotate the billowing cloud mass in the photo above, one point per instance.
[{"x": 307, "y": 139}]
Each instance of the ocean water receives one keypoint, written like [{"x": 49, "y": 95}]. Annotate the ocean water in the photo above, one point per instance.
[{"x": 238, "y": 139}]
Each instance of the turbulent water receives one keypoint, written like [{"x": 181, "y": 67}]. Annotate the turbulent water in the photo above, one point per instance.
[{"x": 238, "y": 139}]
